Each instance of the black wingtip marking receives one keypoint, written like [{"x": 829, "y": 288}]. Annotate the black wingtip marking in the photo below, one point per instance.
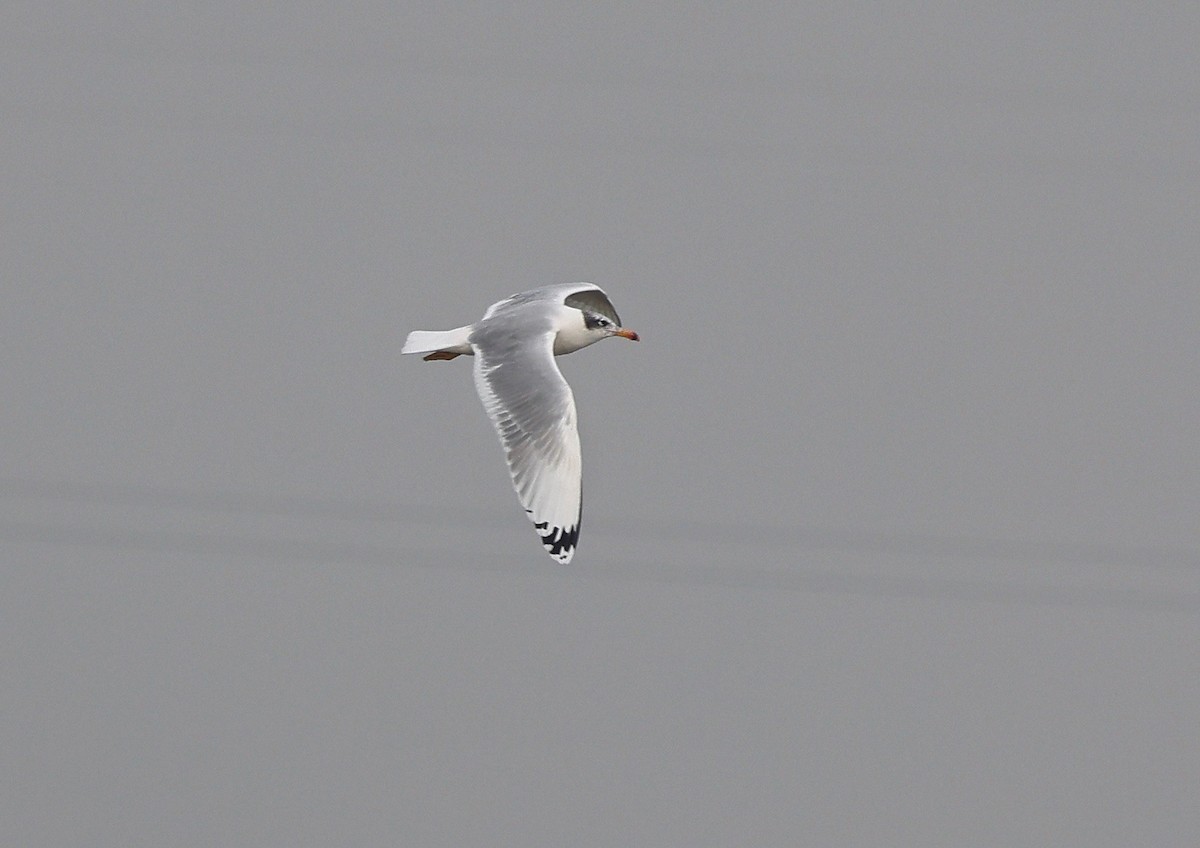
[{"x": 559, "y": 541}]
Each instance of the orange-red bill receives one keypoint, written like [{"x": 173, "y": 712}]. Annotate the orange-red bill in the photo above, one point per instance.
[{"x": 628, "y": 334}]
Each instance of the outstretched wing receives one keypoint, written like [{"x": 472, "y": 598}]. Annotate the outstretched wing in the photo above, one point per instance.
[
  {"x": 533, "y": 411},
  {"x": 585, "y": 296}
]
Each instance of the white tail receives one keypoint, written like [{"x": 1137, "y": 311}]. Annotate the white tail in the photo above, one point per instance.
[{"x": 437, "y": 341}]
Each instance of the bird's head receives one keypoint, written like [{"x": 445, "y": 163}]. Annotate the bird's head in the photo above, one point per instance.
[{"x": 602, "y": 326}]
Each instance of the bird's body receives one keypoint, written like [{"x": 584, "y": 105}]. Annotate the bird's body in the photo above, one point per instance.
[{"x": 526, "y": 397}]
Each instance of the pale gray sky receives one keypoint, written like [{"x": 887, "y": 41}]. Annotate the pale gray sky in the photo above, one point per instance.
[{"x": 890, "y": 532}]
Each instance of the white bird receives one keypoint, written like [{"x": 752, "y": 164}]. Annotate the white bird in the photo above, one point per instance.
[{"x": 526, "y": 397}]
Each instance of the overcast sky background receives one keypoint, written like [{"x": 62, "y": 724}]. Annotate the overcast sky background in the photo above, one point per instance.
[{"x": 891, "y": 527}]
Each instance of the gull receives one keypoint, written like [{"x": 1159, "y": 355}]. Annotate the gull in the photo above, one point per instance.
[{"x": 526, "y": 397}]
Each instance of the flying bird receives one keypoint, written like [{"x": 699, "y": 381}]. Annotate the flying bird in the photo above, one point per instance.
[{"x": 526, "y": 397}]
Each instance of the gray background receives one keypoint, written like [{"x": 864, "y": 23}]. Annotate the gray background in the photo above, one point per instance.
[{"x": 891, "y": 532}]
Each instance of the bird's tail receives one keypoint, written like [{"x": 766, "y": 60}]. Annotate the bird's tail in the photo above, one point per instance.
[{"x": 439, "y": 344}]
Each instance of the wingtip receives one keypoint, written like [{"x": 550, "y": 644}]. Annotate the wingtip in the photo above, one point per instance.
[{"x": 560, "y": 542}]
